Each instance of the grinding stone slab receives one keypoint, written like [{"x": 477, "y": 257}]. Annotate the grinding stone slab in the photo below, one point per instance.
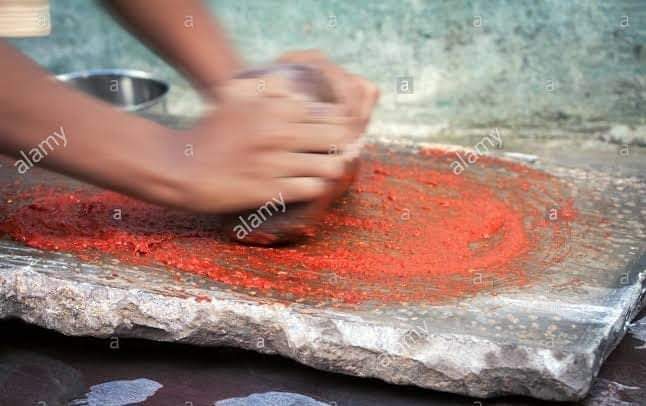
[{"x": 545, "y": 340}]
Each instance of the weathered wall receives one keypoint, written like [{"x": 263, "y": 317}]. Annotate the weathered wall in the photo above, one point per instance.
[{"x": 564, "y": 64}]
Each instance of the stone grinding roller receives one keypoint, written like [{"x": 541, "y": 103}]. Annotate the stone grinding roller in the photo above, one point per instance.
[{"x": 299, "y": 219}]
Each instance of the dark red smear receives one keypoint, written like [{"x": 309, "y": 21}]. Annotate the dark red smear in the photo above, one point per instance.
[{"x": 410, "y": 231}]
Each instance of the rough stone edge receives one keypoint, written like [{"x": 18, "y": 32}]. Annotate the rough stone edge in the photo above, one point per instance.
[
  {"x": 318, "y": 341},
  {"x": 618, "y": 329}
]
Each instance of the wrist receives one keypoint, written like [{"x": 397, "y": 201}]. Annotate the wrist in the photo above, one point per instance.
[
  {"x": 163, "y": 176},
  {"x": 211, "y": 91}
]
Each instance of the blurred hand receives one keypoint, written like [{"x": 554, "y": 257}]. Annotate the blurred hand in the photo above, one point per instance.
[
  {"x": 253, "y": 149},
  {"x": 357, "y": 93}
]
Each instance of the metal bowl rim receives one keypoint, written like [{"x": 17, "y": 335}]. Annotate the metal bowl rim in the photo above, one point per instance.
[{"x": 133, "y": 73}]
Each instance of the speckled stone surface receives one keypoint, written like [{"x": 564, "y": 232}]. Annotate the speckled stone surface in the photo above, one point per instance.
[{"x": 546, "y": 340}]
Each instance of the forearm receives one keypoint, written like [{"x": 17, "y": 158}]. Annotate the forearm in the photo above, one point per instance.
[
  {"x": 95, "y": 143},
  {"x": 184, "y": 33}
]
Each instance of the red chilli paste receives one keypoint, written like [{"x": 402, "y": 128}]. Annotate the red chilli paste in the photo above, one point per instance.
[{"x": 410, "y": 231}]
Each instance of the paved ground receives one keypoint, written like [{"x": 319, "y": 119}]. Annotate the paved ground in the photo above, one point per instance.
[{"x": 40, "y": 365}]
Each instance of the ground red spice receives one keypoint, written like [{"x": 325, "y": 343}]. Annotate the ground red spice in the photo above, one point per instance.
[{"x": 409, "y": 231}]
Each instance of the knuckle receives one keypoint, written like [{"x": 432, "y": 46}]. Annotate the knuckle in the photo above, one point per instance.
[
  {"x": 313, "y": 187},
  {"x": 335, "y": 168},
  {"x": 314, "y": 53},
  {"x": 283, "y": 139},
  {"x": 253, "y": 106},
  {"x": 281, "y": 108},
  {"x": 368, "y": 88},
  {"x": 373, "y": 91}
]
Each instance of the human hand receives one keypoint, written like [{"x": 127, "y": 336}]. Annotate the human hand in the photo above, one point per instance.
[
  {"x": 255, "y": 149},
  {"x": 357, "y": 93}
]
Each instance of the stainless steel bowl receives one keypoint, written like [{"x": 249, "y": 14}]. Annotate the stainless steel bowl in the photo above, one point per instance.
[{"x": 130, "y": 90}]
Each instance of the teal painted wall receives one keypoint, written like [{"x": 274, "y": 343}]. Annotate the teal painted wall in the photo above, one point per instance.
[{"x": 552, "y": 63}]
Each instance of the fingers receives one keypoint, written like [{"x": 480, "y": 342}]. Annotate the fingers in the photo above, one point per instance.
[
  {"x": 323, "y": 138},
  {"x": 308, "y": 55},
  {"x": 245, "y": 194},
  {"x": 280, "y": 191},
  {"x": 301, "y": 189},
  {"x": 352, "y": 151},
  {"x": 370, "y": 96},
  {"x": 267, "y": 86},
  {"x": 347, "y": 89},
  {"x": 357, "y": 93},
  {"x": 361, "y": 95},
  {"x": 295, "y": 111},
  {"x": 295, "y": 164}
]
